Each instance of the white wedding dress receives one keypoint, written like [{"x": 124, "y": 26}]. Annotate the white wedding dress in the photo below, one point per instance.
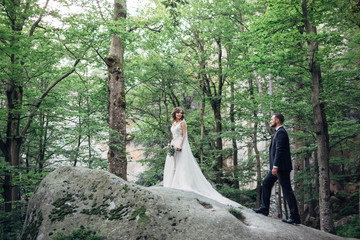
[{"x": 183, "y": 172}]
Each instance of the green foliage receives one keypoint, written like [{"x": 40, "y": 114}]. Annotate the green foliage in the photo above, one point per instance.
[
  {"x": 78, "y": 234},
  {"x": 237, "y": 214},
  {"x": 205, "y": 204},
  {"x": 11, "y": 223},
  {"x": 264, "y": 67},
  {"x": 246, "y": 198},
  {"x": 32, "y": 229},
  {"x": 140, "y": 214},
  {"x": 62, "y": 208},
  {"x": 351, "y": 230}
]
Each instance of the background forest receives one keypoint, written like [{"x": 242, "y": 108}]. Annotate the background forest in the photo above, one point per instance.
[{"x": 230, "y": 64}]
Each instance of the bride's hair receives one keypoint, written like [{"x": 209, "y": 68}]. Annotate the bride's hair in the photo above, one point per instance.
[{"x": 175, "y": 111}]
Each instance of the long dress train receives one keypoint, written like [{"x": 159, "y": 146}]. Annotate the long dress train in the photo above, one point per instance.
[{"x": 183, "y": 172}]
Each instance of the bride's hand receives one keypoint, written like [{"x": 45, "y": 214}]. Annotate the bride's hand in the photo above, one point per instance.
[{"x": 178, "y": 149}]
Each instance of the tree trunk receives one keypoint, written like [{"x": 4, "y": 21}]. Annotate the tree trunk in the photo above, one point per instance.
[
  {"x": 321, "y": 126},
  {"x": 166, "y": 102},
  {"x": 258, "y": 164},
  {"x": 312, "y": 189},
  {"x": 298, "y": 168},
  {"x": 14, "y": 94},
  {"x": 42, "y": 141},
  {"x": 234, "y": 144},
  {"x": 254, "y": 144},
  {"x": 219, "y": 145},
  {"x": 278, "y": 199},
  {"x": 27, "y": 158},
  {"x": 117, "y": 102},
  {"x": 299, "y": 162},
  {"x": 202, "y": 126},
  {"x": 285, "y": 207},
  {"x": 88, "y": 112},
  {"x": 79, "y": 127}
]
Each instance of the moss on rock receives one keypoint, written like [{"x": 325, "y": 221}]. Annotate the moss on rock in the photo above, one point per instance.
[
  {"x": 32, "y": 229},
  {"x": 62, "y": 207},
  {"x": 143, "y": 218}
]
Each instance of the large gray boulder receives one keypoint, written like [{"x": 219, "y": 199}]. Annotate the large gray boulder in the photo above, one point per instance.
[{"x": 78, "y": 198}]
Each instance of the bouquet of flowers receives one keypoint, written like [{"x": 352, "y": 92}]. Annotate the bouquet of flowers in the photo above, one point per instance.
[{"x": 171, "y": 150}]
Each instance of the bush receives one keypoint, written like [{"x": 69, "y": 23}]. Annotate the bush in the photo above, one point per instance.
[
  {"x": 246, "y": 198},
  {"x": 78, "y": 234},
  {"x": 351, "y": 230}
]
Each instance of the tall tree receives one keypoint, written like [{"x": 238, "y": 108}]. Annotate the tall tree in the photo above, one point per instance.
[
  {"x": 321, "y": 125},
  {"x": 117, "y": 100},
  {"x": 21, "y": 45}
]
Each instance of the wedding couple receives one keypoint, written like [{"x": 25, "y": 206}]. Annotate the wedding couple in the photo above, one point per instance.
[{"x": 182, "y": 171}]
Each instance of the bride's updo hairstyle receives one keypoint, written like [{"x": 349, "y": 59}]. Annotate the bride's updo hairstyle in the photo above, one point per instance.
[{"x": 174, "y": 112}]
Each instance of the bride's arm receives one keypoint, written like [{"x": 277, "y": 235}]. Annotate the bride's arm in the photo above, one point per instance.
[{"x": 183, "y": 126}]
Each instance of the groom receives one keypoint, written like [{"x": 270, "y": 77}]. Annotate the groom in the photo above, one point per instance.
[{"x": 280, "y": 168}]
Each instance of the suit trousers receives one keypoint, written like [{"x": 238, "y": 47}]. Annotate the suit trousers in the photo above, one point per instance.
[{"x": 284, "y": 179}]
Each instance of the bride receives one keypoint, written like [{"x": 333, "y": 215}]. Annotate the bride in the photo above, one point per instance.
[{"x": 181, "y": 170}]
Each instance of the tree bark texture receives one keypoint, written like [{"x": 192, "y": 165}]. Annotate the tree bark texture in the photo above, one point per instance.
[
  {"x": 299, "y": 164},
  {"x": 116, "y": 99},
  {"x": 278, "y": 199},
  {"x": 14, "y": 100},
  {"x": 202, "y": 126},
  {"x": 234, "y": 144},
  {"x": 320, "y": 122},
  {"x": 254, "y": 144},
  {"x": 258, "y": 164}
]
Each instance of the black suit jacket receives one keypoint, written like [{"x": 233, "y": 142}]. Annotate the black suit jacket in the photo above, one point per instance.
[{"x": 279, "y": 152}]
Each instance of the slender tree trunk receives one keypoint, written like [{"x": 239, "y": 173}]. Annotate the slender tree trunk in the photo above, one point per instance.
[
  {"x": 88, "y": 112},
  {"x": 117, "y": 101},
  {"x": 254, "y": 144},
  {"x": 77, "y": 151},
  {"x": 88, "y": 123},
  {"x": 258, "y": 164},
  {"x": 216, "y": 105},
  {"x": 202, "y": 126},
  {"x": 27, "y": 158},
  {"x": 42, "y": 142},
  {"x": 165, "y": 102},
  {"x": 234, "y": 144},
  {"x": 219, "y": 145},
  {"x": 278, "y": 199},
  {"x": 299, "y": 168},
  {"x": 310, "y": 190},
  {"x": 285, "y": 207},
  {"x": 321, "y": 126},
  {"x": 89, "y": 150},
  {"x": 271, "y": 92},
  {"x": 79, "y": 127}
]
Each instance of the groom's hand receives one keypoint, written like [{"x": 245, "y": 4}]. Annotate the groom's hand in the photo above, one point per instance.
[{"x": 274, "y": 171}]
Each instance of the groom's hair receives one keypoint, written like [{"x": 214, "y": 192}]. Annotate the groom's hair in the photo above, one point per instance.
[{"x": 280, "y": 117}]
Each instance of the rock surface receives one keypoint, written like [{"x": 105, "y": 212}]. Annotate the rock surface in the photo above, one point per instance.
[{"x": 72, "y": 198}]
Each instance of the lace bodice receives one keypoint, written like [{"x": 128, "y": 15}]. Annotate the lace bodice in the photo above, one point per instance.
[{"x": 177, "y": 134}]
